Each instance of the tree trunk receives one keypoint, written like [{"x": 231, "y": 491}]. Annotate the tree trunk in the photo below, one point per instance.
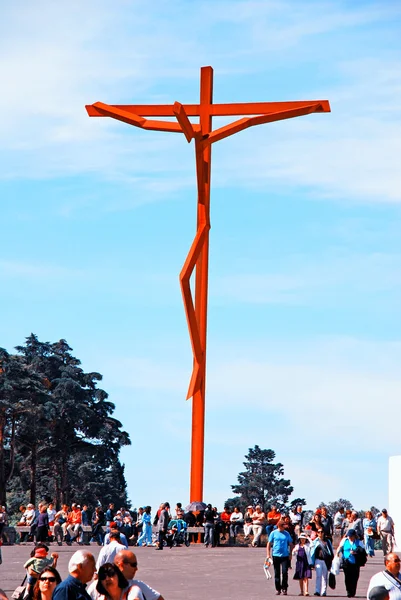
[
  {"x": 33, "y": 474},
  {"x": 2, "y": 458},
  {"x": 12, "y": 450},
  {"x": 64, "y": 478}
]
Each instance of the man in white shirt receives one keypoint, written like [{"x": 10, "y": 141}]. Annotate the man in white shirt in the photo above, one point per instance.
[
  {"x": 385, "y": 528},
  {"x": 339, "y": 519},
  {"x": 127, "y": 562},
  {"x": 389, "y": 578},
  {"x": 108, "y": 553}
]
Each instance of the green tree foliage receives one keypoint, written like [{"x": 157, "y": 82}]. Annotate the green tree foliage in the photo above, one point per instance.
[
  {"x": 58, "y": 438},
  {"x": 332, "y": 507},
  {"x": 262, "y": 481}
]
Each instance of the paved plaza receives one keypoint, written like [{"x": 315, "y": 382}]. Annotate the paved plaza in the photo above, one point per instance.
[{"x": 191, "y": 573}]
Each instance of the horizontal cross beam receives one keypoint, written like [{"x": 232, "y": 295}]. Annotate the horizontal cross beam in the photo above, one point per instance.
[{"x": 215, "y": 110}]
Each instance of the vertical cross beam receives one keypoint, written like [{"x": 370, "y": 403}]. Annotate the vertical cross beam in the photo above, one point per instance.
[{"x": 203, "y": 155}]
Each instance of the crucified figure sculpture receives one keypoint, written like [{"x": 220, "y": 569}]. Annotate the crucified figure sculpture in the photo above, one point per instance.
[{"x": 198, "y": 256}]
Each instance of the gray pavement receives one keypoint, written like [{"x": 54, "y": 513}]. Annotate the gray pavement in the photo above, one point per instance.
[{"x": 191, "y": 573}]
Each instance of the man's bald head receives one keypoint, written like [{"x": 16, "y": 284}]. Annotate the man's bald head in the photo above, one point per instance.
[
  {"x": 392, "y": 562},
  {"x": 127, "y": 563}
]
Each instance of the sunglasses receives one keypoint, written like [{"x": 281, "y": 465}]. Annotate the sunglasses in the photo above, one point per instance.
[
  {"x": 108, "y": 574},
  {"x": 132, "y": 564},
  {"x": 49, "y": 579}
]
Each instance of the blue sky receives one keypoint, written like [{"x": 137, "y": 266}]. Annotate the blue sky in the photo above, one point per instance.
[{"x": 304, "y": 338}]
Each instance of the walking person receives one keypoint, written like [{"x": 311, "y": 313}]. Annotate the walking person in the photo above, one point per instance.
[
  {"x": 349, "y": 548},
  {"x": 279, "y": 548},
  {"x": 385, "y": 529},
  {"x": 322, "y": 556},
  {"x": 163, "y": 522},
  {"x": 145, "y": 538},
  {"x": 369, "y": 531},
  {"x": 303, "y": 571},
  {"x": 209, "y": 518}
]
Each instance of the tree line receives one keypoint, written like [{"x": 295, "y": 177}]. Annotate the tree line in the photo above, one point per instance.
[{"x": 58, "y": 438}]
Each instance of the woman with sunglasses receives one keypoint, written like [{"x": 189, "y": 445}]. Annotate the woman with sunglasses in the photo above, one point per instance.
[
  {"x": 112, "y": 585},
  {"x": 321, "y": 556},
  {"x": 47, "y": 581}
]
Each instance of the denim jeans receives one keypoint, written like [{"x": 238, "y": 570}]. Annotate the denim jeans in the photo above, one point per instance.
[
  {"x": 280, "y": 564},
  {"x": 209, "y": 529}
]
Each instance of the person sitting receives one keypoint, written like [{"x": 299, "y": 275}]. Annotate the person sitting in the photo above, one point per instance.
[
  {"x": 236, "y": 523},
  {"x": 60, "y": 524},
  {"x": 74, "y": 524}
]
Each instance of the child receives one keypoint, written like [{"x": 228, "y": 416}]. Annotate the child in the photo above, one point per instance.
[
  {"x": 37, "y": 563},
  {"x": 303, "y": 570}
]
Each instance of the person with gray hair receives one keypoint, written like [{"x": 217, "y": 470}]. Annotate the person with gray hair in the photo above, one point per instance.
[{"x": 81, "y": 569}]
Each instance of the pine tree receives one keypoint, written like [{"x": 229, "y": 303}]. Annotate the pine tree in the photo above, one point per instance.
[{"x": 262, "y": 482}]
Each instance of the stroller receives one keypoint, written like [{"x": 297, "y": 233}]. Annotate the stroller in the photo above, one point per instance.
[{"x": 177, "y": 533}]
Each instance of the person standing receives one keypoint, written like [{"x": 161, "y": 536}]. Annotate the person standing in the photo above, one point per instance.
[
  {"x": 349, "y": 548},
  {"x": 338, "y": 520},
  {"x": 42, "y": 530},
  {"x": 127, "y": 562},
  {"x": 369, "y": 531},
  {"x": 279, "y": 548},
  {"x": 209, "y": 518},
  {"x": 327, "y": 523},
  {"x": 146, "y": 536},
  {"x": 303, "y": 570},
  {"x": 81, "y": 569},
  {"x": 107, "y": 553},
  {"x": 297, "y": 517},
  {"x": 322, "y": 556},
  {"x": 385, "y": 529},
  {"x": 389, "y": 578},
  {"x": 164, "y": 519}
]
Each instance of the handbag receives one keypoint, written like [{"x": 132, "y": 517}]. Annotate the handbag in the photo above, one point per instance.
[
  {"x": 332, "y": 581},
  {"x": 361, "y": 557},
  {"x": 21, "y": 591}
]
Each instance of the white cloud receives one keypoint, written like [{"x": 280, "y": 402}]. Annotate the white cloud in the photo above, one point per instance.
[{"x": 65, "y": 58}]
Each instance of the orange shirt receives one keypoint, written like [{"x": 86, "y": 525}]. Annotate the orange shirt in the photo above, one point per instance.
[
  {"x": 225, "y": 516},
  {"x": 75, "y": 517},
  {"x": 273, "y": 517}
]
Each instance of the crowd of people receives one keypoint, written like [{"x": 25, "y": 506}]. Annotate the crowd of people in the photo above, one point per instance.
[{"x": 309, "y": 542}]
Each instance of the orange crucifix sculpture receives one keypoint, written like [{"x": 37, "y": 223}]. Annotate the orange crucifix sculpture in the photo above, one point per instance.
[{"x": 198, "y": 256}]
